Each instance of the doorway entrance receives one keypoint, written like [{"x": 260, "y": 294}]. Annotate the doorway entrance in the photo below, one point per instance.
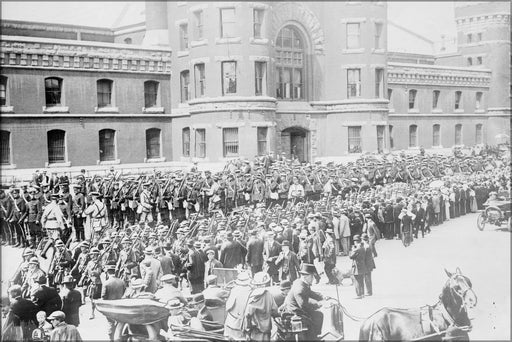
[{"x": 295, "y": 143}]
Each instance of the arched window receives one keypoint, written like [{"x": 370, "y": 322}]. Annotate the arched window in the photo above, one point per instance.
[
  {"x": 107, "y": 144},
  {"x": 53, "y": 91},
  {"x": 290, "y": 64},
  {"x": 153, "y": 143},
  {"x": 56, "y": 146},
  {"x": 479, "y": 137},
  {"x": 104, "y": 89},
  {"x": 413, "y": 136},
  {"x": 185, "y": 138},
  {"x": 150, "y": 94},
  {"x": 458, "y": 134},
  {"x": 128, "y": 40},
  {"x": 436, "y": 135},
  {"x": 5, "y": 147}
]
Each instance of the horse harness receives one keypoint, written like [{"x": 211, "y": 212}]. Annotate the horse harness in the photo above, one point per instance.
[{"x": 428, "y": 324}]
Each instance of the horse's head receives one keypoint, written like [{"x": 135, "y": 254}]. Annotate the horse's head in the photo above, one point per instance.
[{"x": 460, "y": 289}]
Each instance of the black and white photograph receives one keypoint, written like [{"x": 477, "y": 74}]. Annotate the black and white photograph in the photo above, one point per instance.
[{"x": 255, "y": 171}]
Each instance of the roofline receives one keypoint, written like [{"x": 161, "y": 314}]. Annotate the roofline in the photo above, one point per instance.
[
  {"x": 434, "y": 66},
  {"x": 69, "y": 26},
  {"x": 390, "y": 22}
]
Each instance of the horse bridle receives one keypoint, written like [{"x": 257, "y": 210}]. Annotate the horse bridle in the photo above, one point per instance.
[{"x": 461, "y": 294}]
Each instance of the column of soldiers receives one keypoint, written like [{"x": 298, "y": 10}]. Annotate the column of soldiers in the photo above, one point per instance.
[{"x": 134, "y": 235}]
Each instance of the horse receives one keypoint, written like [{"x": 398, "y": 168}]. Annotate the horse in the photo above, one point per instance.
[{"x": 448, "y": 317}]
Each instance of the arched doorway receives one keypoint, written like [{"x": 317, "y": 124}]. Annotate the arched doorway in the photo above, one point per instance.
[{"x": 295, "y": 143}]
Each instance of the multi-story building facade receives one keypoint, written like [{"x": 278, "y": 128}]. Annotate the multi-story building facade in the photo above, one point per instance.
[{"x": 313, "y": 80}]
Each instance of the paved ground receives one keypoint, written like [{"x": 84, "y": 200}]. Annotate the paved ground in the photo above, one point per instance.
[{"x": 406, "y": 278}]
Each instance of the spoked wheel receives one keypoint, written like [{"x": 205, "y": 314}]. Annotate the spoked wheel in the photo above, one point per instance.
[
  {"x": 481, "y": 221},
  {"x": 127, "y": 333}
]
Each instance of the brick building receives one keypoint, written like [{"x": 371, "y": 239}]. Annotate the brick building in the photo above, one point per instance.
[{"x": 310, "y": 79}]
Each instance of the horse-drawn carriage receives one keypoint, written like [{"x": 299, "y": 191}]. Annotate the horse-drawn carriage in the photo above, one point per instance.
[{"x": 497, "y": 213}]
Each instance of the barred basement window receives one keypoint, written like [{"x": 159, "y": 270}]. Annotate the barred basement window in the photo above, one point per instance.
[
  {"x": 56, "y": 146},
  {"x": 436, "y": 135},
  {"x": 150, "y": 94},
  {"x": 53, "y": 91},
  {"x": 200, "y": 80},
  {"x": 228, "y": 78},
  {"x": 353, "y": 83},
  {"x": 458, "y": 134},
  {"x": 107, "y": 139},
  {"x": 104, "y": 91},
  {"x": 479, "y": 137},
  {"x": 413, "y": 136},
  {"x": 5, "y": 148},
  {"x": 185, "y": 141},
  {"x": 262, "y": 140},
  {"x": 354, "y": 139},
  {"x": 230, "y": 142},
  {"x": 153, "y": 143},
  {"x": 201, "y": 143}
]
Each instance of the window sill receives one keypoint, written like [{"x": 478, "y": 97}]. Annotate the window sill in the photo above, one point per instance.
[
  {"x": 7, "y": 109},
  {"x": 56, "y": 109},
  {"x": 200, "y": 42},
  {"x": 360, "y": 50},
  {"x": 106, "y": 109},
  {"x": 378, "y": 51},
  {"x": 153, "y": 110},
  {"x": 109, "y": 162},
  {"x": 8, "y": 166},
  {"x": 183, "y": 53},
  {"x": 413, "y": 111},
  {"x": 437, "y": 111},
  {"x": 480, "y": 111},
  {"x": 258, "y": 41},
  {"x": 230, "y": 40},
  {"x": 155, "y": 160},
  {"x": 55, "y": 165},
  {"x": 458, "y": 111}
]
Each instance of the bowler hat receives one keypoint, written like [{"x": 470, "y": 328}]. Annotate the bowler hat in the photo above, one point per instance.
[{"x": 286, "y": 243}]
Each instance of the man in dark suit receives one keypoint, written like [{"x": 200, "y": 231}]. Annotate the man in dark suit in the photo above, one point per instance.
[
  {"x": 297, "y": 301},
  {"x": 397, "y": 209},
  {"x": 254, "y": 257},
  {"x": 231, "y": 252},
  {"x": 358, "y": 255},
  {"x": 288, "y": 263},
  {"x": 271, "y": 250},
  {"x": 370, "y": 264},
  {"x": 23, "y": 309},
  {"x": 112, "y": 289},
  {"x": 46, "y": 298},
  {"x": 195, "y": 269},
  {"x": 165, "y": 261}
]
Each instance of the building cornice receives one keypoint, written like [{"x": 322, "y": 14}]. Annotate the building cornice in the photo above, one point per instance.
[{"x": 88, "y": 115}]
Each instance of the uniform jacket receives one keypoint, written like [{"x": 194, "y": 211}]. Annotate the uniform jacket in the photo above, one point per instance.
[
  {"x": 113, "y": 288},
  {"x": 34, "y": 210},
  {"x": 254, "y": 255},
  {"x": 358, "y": 256}
]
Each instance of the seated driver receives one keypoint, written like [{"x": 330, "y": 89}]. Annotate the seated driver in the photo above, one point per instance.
[{"x": 298, "y": 301}]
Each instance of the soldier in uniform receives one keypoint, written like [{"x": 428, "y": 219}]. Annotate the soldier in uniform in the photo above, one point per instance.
[
  {"x": 5, "y": 213},
  {"x": 34, "y": 218},
  {"x": 60, "y": 265},
  {"x": 18, "y": 214}
]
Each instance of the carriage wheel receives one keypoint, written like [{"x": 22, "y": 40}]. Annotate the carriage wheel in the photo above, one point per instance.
[
  {"x": 124, "y": 333},
  {"x": 481, "y": 220}
]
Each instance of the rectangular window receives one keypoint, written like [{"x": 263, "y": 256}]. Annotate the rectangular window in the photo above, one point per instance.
[
  {"x": 107, "y": 145},
  {"x": 260, "y": 77},
  {"x": 201, "y": 143},
  {"x": 153, "y": 143},
  {"x": 469, "y": 38},
  {"x": 198, "y": 32},
  {"x": 435, "y": 98},
  {"x": 56, "y": 146},
  {"x": 257, "y": 22},
  {"x": 230, "y": 142},
  {"x": 200, "y": 81},
  {"x": 436, "y": 135},
  {"x": 353, "y": 35},
  {"x": 379, "y": 82},
  {"x": 470, "y": 61},
  {"x": 185, "y": 139},
  {"x": 479, "y": 36},
  {"x": 458, "y": 134},
  {"x": 227, "y": 22},
  {"x": 52, "y": 89},
  {"x": 185, "y": 86},
  {"x": 354, "y": 139},
  {"x": 262, "y": 140},
  {"x": 5, "y": 148},
  {"x": 412, "y": 98},
  {"x": 478, "y": 100},
  {"x": 390, "y": 94},
  {"x": 458, "y": 98},
  {"x": 3, "y": 91},
  {"x": 479, "y": 60},
  {"x": 183, "y": 37},
  {"x": 150, "y": 94},
  {"x": 228, "y": 78},
  {"x": 391, "y": 142},
  {"x": 380, "y": 138},
  {"x": 104, "y": 88},
  {"x": 479, "y": 138},
  {"x": 413, "y": 136},
  {"x": 353, "y": 83},
  {"x": 378, "y": 33}
]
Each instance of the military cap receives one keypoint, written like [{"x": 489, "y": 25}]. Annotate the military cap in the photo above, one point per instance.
[{"x": 95, "y": 250}]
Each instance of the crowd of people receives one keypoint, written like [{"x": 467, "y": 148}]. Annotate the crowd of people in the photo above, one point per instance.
[{"x": 274, "y": 220}]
